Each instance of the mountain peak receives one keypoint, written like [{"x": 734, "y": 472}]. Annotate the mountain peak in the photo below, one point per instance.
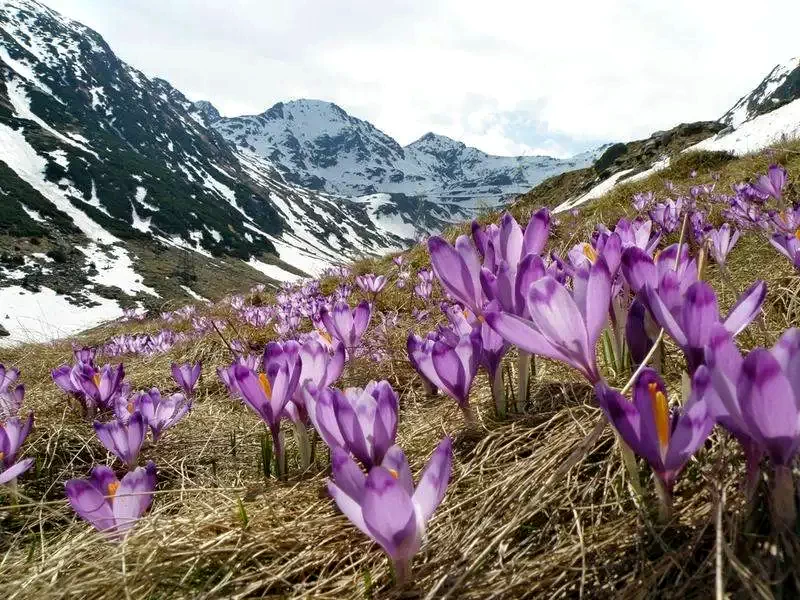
[
  {"x": 303, "y": 107},
  {"x": 434, "y": 142},
  {"x": 208, "y": 111},
  {"x": 779, "y": 87}
]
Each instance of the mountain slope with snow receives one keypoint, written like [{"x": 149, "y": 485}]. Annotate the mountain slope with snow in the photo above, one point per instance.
[
  {"x": 116, "y": 192},
  {"x": 781, "y": 86},
  {"x": 318, "y": 145}
]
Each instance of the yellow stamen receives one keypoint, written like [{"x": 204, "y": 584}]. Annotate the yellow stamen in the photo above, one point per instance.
[
  {"x": 96, "y": 379},
  {"x": 112, "y": 488},
  {"x": 797, "y": 234},
  {"x": 589, "y": 252},
  {"x": 130, "y": 407},
  {"x": 326, "y": 336},
  {"x": 660, "y": 413},
  {"x": 262, "y": 379},
  {"x": 2, "y": 455},
  {"x": 394, "y": 473}
]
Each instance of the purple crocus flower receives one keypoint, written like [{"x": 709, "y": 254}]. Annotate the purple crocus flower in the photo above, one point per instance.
[
  {"x": 762, "y": 396},
  {"x": 668, "y": 214},
  {"x": 509, "y": 286},
  {"x": 761, "y": 400},
  {"x": 667, "y": 441},
  {"x": 724, "y": 368},
  {"x": 123, "y": 440},
  {"x": 402, "y": 279},
  {"x": 84, "y": 354},
  {"x": 110, "y": 505},
  {"x": 425, "y": 275},
  {"x": 454, "y": 360},
  {"x": 7, "y": 377},
  {"x": 686, "y": 308},
  {"x": 423, "y": 290},
  {"x": 789, "y": 246},
  {"x": 186, "y": 376},
  {"x": 637, "y": 233},
  {"x": 642, "y": 200},
  {"x": 691, "y": 323},
  {"x": 347, "y": 325},
  {"x": 10, "y": 397},
  {"x": 162, "y": 413},
  {"x": 371, "y": 283},
  {"x": 772, "y": 183},
  {"x": 786, "y": 222},
  {"x": 398, "y": 260},
  {"x": 12, "y": 435},
  {"x": 319, "y": 366},
  {"x": 721, "y": 242},
  {"x": 267, "y": 395},
  {"x": 386, "y": 506},
  {"x": 563, "y": 325},
  {"x": 99, "y": 387},
  {"x": 458, "y": 269},
  {"x": 361, "y": 421}
]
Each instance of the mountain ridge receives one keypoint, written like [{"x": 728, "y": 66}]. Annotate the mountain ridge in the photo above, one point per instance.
[{"x": 317, "y": 144}]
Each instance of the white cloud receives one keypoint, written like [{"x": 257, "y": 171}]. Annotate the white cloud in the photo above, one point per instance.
[{"x": 505, "y": 76}]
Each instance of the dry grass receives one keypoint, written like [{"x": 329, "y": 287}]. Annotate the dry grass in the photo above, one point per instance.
[{"x": 539, "y": 506}]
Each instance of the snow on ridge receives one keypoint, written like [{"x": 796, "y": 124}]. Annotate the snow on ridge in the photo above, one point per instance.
[{"x": 757, "y": 133}]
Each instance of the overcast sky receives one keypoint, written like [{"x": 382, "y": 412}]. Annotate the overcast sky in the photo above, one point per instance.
[{"x": 507, "y": 76}]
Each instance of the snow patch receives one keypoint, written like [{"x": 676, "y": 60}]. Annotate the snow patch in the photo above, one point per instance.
[
  {"x": 33, "y": 214},
  {"x": 272, "y": 271},
  {"x": 140, "y": 223},
  {"x": 115, "y": 269},
  {"x": 194, "y": 294},
  {"x": 44, "y": 316},
  {"x": 596, "y": 192}
]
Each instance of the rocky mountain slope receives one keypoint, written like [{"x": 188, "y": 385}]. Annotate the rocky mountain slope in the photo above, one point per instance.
[
  {"x": 114, "y": 190},
  {"x": 781, "y": 86},
  {"x": 318, "y": 145}
]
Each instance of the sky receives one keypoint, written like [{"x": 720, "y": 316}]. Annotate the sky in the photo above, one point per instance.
[{"x": 510, "y": 77}]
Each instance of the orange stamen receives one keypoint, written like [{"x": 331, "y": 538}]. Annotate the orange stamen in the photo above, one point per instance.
[
  {"x": 96, "y": 379},
  {"x": 2, "y": 455},
  {"x": 797, "y": 234},
  {"x": 130, "y": 407},
  {"x": 262, "y": 379},
  {"x": 394, "y": 473},
  {"x": 113, "y": 487},
  {"x": 589, "y": 252},
  {"x": 660, "y": 413}
]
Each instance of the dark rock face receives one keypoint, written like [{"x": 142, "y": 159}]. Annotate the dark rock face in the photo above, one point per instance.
[{"x": 609, "y": 156}]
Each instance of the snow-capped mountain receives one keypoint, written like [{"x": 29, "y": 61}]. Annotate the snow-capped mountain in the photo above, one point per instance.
[
  {"x": 114, "y": 190},
  {"x": 318, "y": 145},
  {"x": 781, "y": 86},
  {"x": 767, "y": 115}
]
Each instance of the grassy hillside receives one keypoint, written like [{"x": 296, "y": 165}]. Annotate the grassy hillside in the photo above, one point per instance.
[{"x": 538, "y": 506}]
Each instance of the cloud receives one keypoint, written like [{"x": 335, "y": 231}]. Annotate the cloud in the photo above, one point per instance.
[{"x": 506, "y": 76}]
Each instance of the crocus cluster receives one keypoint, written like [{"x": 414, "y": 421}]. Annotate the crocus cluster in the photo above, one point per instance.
[
  {"x": 13, "y": 429},
  {"x": 94, "y": 388}
]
